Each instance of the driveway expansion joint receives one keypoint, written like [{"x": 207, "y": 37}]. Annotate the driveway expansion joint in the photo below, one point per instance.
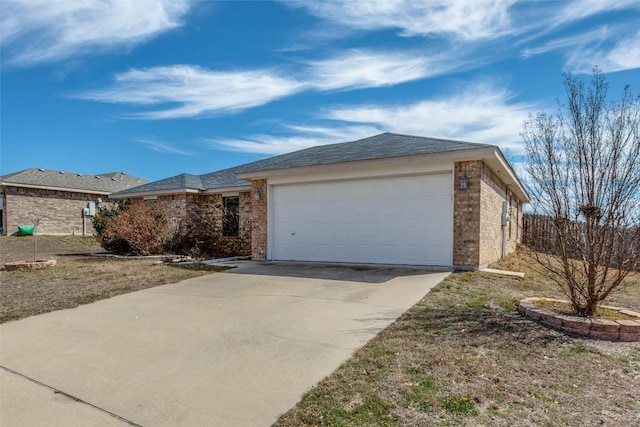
[{"x": 70, "y": 396}]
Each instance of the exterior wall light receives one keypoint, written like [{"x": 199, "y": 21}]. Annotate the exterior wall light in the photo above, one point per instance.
[
  {"x": 257, "y": 195},
  {"x": 464, "y": 181}
]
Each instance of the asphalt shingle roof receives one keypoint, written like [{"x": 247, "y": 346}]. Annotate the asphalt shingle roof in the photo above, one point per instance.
[
  {"x": 380, "y": 146},
  {"x": 376, "y": 147},
  {"x": 102, "y": 183},
  {"x": 185, "y": 181}
]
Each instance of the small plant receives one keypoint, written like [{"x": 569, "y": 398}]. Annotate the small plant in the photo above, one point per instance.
[
  {"x": 458, "y": 405},
  {"x": 577, "y": 350}
]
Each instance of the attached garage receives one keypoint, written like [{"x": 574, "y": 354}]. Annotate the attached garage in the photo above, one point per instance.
[
  {"x": 390, "y": 220},
  {"x": 386, "y": 199}
]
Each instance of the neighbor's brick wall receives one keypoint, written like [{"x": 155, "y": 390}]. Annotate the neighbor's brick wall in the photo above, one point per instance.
[
  {"x": 466, "y": 214},
  {"x": 259, "y": 226},
  {"x": 60, "y": 211}
]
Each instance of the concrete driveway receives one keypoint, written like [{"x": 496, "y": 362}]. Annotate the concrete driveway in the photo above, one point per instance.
[{"x": 230, "y": 349}]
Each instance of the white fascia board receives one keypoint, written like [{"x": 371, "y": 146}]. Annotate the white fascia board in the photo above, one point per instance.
[
  {"x": 44, "y": 187},
  {"x": 154, "y": 193},
  {"x": 226, "y": 190}
]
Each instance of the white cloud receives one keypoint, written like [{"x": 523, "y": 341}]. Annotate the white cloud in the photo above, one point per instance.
[
  {"x": 469, "y": 20},
  {"x": 196, "y": 91},
  {"x": 163, "y": 146},
  {"x": 623, "y": 55},
  {"x": 572, "y": 41},
  {"x": 35, "y": 31},
  {"x": 360, "y": 69},
  {"x": 477, "y": 113},
  {"x": 577, "y": 10},
  {"x": 203, "y": 92},
  {"x": 304, "y": 137},
  {"x": 480, "y": 112}
]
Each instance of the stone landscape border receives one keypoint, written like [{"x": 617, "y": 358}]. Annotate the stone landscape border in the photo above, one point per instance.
[
  {"x": 29, "y": 265},
  {"x": 616, "y": 330}
]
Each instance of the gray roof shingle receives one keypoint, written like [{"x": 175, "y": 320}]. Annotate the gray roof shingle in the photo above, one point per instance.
[
  {"x": 102, "y": 183},
  {"x": 220, "y": 179},
  {"x": 380, "y": 146}
]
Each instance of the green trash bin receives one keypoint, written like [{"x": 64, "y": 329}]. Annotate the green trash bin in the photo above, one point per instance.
[{"x": 26, "y": 230}]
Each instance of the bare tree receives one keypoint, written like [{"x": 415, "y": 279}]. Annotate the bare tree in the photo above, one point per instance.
[{"x": 584, "y": 172}]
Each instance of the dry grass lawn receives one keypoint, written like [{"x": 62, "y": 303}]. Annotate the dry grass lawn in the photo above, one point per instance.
[
  {"x": 77, "y": 278},
  {"x": 461, "y": 357},
  {"x": 464, "y": 357}
]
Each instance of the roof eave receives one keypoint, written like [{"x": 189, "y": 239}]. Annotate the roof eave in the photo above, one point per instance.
[
  {"x": 454, "y": 155},
  {"x": 499, "y": 164},
  {"x": 45, "y": 187},
  {"x": 167, "y": 192},
  {"x": 489, "y": 154},
  {"x": 228, "y": 189}
]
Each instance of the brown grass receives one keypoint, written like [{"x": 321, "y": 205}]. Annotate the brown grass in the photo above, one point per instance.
[
  {"x": 76, "y": 279},
  {"x": 464, "y": 357}
]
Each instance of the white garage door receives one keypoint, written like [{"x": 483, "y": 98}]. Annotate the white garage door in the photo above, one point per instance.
[{"x": 399, "y": 220}]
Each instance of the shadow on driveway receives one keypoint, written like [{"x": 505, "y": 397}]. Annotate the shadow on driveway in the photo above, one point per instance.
[{"x": 362, "y": 273}]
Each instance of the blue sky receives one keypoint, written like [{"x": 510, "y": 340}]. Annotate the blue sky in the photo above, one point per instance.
[{"x": 155, "y": 88}]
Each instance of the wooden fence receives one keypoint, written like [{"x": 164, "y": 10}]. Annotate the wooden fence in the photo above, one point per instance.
[{"x": 539, "y": 233}]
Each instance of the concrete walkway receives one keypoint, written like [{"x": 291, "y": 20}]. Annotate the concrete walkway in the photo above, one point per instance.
[{"x": 230, "y": 349}]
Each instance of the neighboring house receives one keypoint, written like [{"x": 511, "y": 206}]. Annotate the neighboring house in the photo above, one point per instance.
[
  {"x": 387, "y": 199},
  {"x": 56, "y": 199}
]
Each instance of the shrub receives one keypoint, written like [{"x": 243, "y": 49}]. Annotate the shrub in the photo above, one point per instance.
[
  {"x": 201, "y": 235},
  {"x": 138, "y": 228}
]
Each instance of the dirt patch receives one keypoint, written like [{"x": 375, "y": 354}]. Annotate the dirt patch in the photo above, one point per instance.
[
  {"x": 77, "y": 279},
  {"x": 463, "y": 356}
]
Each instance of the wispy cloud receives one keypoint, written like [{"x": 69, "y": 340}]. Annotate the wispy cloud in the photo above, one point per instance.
[
  {"x": 163, "y": 146},
  {"x": 196, "y": 91},
  {"x": 480, "y": 112},
  {"x": 37, "y": 31},
  {"x": 202, "y": 92},
  {"x": 581, "y": 39},
  {"x": 360, "y": 69},
  {"x": 577, "y": 10},
  {"x": 470, "y": 20},
  {"x": 623, "y": 55}
]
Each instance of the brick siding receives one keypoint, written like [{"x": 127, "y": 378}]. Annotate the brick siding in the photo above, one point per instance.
[
  {"x": 60, "y": 212},
  {"x": 466, "y": 214},
  {"x": 478, "y": 216},
  {"x": 259, "y": 227}
]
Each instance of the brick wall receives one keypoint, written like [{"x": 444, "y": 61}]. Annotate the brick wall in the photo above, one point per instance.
[
  {"x": 466, "y": 214},
  {"x": 60, "y": 212},
  {"x": 259, "y": 227},
  {"x": 477, "y": 222},
  {"x": 493, "y": 194}
]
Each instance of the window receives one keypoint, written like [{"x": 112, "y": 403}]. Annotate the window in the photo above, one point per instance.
[{"x": 230, "y": 216}]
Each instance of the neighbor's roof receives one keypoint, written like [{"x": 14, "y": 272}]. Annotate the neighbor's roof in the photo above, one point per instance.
[
  {"x": 106, "y": 183},
  {"x": 221, "y": 179},
  {"x": 380, "y": 146}
]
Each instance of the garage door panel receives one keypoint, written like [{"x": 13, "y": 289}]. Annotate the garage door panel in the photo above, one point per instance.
[{"x": 402, "y": 220}]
